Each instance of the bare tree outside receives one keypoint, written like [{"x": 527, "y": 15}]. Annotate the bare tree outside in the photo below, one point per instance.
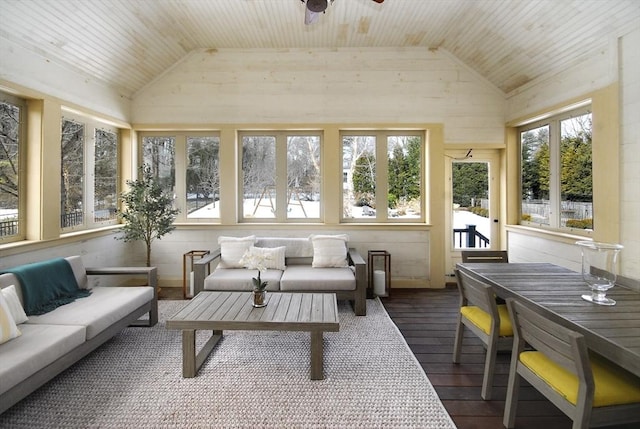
[
  {"x": 72, "y": 174},
  {"x": 259, "y": 174},
  {"x": 303, "y": 175},
  {"x": 159, "y": 154},
  {"x": 9, "y": 158},
  {"x": 359, "y": 167},
  {"x": 203, "y": 175},
  {"x": 105, "y": 176}
]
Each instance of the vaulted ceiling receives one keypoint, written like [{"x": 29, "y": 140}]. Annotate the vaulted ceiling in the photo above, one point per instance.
[{"x": 128, "y": 43}]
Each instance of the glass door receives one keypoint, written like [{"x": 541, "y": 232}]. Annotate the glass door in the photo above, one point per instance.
[{"x": 472, "y": 202}]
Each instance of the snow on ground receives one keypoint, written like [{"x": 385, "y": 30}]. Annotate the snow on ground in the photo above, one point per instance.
[{"x": 312, "y": 209}]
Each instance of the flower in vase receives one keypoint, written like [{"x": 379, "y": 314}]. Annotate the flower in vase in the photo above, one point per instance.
[{"x": 255, "y": 260}]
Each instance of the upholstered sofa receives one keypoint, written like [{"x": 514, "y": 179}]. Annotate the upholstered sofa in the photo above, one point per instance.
[
  {"x": 319, "y": 263},
  {"x": 48, "y": 343}
]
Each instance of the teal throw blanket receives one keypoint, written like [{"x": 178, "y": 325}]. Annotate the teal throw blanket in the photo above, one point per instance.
[{"x": 47, "y": 285}]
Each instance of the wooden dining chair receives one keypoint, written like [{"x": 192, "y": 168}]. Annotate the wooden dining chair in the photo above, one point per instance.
[
  {"x": 588, "y": 389},
  {"x": 484, "y": 256},
  {"x": 489, "y": 321}
]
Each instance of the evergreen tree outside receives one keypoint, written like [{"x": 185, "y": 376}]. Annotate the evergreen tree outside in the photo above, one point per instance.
[
  {"x": 364, "y": 180},
  {"x": 404, "y": 171},
  {"x": 470, "y": 182}
]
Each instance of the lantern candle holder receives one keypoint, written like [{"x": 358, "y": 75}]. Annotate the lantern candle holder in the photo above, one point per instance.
[
  {"x": 187, "y": 271},
  {"x": 379, "y": 278}
]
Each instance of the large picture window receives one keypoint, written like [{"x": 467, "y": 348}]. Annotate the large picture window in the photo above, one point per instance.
[
  {"x": 89, "y": 173},
  {"x": 280, "y": 176},
  {"x": 11, "y": 142},
  {"x": 382, "y": 176},
  {"x": 556, "y": 172}
]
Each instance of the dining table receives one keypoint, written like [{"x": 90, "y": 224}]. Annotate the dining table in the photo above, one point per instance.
[{"x": 613, "y": 332}]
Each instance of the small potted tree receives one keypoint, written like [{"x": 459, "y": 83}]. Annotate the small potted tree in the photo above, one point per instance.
[{"x": 148, "y": 212}]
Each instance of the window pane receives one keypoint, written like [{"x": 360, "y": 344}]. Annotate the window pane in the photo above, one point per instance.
[
  {"x": 72, "y": 177},
  {"x": 159, "y": 154},
  {"x": 303, "y": 177},
  {"x": 203, "y": 180},
  {"x": 9, "y": 158},
  {"x": 359, "y": 167},
  {"x": 535, "y": 175},
  {"x": 404, "y": 196},
  {"x": 106, "y": 176},
  {"x": 576, "y": 186},
  {"x": 259, "y": 176}
]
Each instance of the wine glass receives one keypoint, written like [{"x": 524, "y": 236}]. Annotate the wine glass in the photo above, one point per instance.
[{"x": 599, "y": 267}]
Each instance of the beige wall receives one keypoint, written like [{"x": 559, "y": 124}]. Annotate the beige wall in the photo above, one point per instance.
[{"x": 363, "y": 86}]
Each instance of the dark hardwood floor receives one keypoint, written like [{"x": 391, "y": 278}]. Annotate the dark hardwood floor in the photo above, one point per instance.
[{"x": 427, "y": 318}]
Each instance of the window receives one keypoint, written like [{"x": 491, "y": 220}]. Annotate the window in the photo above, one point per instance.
[
  {"x": 389, "y": 190},
  {"x": 72, "y": 174},
  {"x": 12, "y": 112},
  {"x": 556, "y": 172},
  {"x": 159, "y": 153},
  {"x": 203, "y": 177},
  {"x": 196, "y": 187},
  {"x": 89, "y": 173},
  {"x": 105, "y": 182},
  {"x": 281, "y": 178}
]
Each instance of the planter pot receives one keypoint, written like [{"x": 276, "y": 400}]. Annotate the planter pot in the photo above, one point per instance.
[{"x": 259, "y": 298}]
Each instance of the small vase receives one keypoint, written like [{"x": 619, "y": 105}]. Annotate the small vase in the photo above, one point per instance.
[{"x": 259, "y": 298}]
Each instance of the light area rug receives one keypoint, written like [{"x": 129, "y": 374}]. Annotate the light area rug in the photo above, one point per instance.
[{"x": 254, "y": 379}]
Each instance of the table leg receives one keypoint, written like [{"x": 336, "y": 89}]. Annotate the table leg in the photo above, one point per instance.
[
  {"x": 192, "y": 361},
  {"x": 188, "y": 353},
  {"x": 317, "y": 353}
]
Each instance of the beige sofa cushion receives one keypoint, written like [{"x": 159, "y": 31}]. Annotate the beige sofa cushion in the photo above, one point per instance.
[
  {"x": 240, "y": 279},
  {"x": 304, "y": 277},
  {"x": 98, "y": 311},
  {"x": 37, "y": 347},
  {"x": 232, "y": 249}
]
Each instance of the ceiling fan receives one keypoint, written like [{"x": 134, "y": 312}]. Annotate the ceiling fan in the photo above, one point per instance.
[{"x": 314, "y": 8}]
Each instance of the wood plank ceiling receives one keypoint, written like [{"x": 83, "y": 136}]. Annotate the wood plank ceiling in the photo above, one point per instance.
[{"x": 128, "y": 43}]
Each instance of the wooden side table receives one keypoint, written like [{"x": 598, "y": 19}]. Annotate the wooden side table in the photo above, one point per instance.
[{"x": 187, "y": 262}]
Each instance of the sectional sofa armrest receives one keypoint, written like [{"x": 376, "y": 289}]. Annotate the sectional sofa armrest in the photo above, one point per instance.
[
  {"x": 202, "y": 268},
  {"x": 356, "y": 260},
  {"x": 152, "y": 280}
]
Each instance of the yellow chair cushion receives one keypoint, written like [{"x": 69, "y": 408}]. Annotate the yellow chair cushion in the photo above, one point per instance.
[
  {"x": 613, "y": 385},
  {"x": 482, "y": 319}
]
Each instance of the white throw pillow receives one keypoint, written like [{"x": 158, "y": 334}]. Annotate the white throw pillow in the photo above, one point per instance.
[
  {"x": 8, "y": 328},
  {"x": 329, "y": 251},
  {"x": 13, "y": 302},
  {"x": 273, "y": 257},
  {"x": 232, "y": 249}
]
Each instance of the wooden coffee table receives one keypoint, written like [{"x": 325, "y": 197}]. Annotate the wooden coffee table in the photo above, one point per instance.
[{"x": 219, "y": 311}]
